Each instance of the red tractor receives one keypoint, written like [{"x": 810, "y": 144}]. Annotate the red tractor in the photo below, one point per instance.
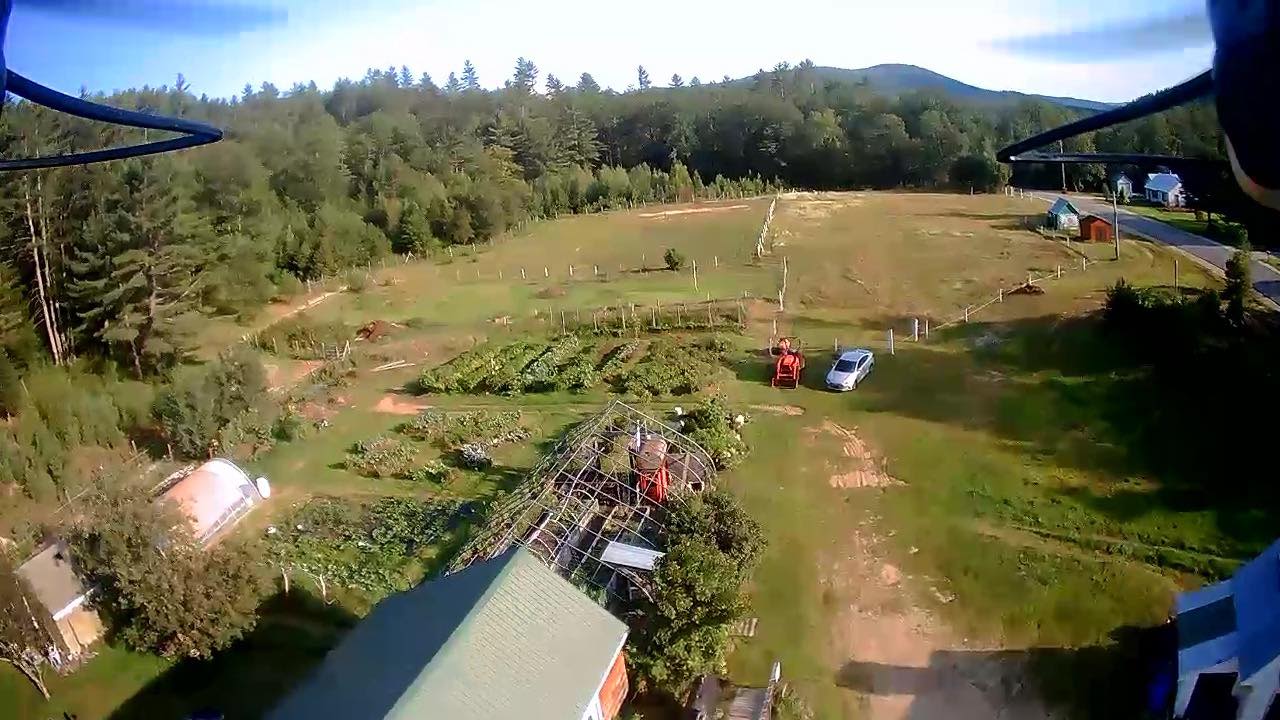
[{"x": 789, "y": 365}]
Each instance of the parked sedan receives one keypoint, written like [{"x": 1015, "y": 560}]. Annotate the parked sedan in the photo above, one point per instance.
[{"x": 850, "y": 369}]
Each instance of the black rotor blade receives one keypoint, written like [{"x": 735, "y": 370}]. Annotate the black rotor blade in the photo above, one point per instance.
[
  {"x": 185, "y": 16},
  {"x": 1197, "y": 87}
]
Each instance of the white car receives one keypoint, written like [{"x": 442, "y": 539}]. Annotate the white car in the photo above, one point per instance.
[{"x": 850, "y": 369}]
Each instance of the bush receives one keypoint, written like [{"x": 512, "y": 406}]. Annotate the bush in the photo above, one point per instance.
[
  {"x": 200, "y": 402},
  {"x": 357, "y": 280},
  {"x": 669, "y": 369},
  {"x": 381, "y": 457},
  {"x": 433, "y": 472},
  {"x": 453, "y": 429},
  {"x": 710, "y": 424},
  {"x": 287, "y": 285},
  {"x": 674, "y": 259},
  {"x": 301, "y": 337},
  {"x": 1239, "y": 282},
  {"x": 474, "y": 456},
  {"x": 1123, "y": 306}
]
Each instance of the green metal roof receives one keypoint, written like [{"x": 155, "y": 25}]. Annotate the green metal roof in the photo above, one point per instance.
[{"x": 507, "y": 638}]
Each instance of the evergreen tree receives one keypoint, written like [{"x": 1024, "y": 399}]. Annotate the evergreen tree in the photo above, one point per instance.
[
  {"x": 642, "y": 78},
  {"x": 1239, "y": 282},
  {"x": 554, "y": 86},
  {"x": 10, "y": 386},
  {"x": 587, "y": 84},
  {"x": 470, "y": 78},
  {"x": 425, "y": 83},
  {"x": 452, "y": 86},
  {"x": 406, "y": 77},
  {"x": 140, "y": 267},
  {"x": 525, "y": 77},
  {"x": 676, "y": 80},
  {"x": 695, "y": 82},
  {"x": 414, "y": 232}
]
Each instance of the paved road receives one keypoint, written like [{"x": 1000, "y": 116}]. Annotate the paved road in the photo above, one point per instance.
[{"x": 1266, "y": 280}]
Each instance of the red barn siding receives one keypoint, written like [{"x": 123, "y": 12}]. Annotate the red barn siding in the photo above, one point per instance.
[{"x": 615, "y": 687}]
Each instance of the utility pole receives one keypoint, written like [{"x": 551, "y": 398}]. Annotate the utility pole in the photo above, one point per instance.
[
  {"x": 1064, "y": 168},
  {"x": 1115, "y": 219}
]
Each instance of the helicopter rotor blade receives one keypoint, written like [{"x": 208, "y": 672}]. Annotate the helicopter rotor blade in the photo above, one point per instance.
[
  {"x": 195, "y": 17},
  {"x": 1114, "y": 40}
]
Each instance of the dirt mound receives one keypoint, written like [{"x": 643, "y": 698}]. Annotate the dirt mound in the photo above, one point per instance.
[
  {"x": 862, "y": 468},
  {"x": 692, "y": 211},
  {"x": 791, "y": 410},
  {"x": 394, "y": 405},
  {"x": 374, "y": 330}
]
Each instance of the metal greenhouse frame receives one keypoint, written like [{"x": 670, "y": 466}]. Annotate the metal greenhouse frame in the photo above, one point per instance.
[{"x": 592, "y": 493}]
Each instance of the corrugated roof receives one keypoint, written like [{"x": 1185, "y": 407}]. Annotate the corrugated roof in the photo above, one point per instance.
[
  {"x": 1163, "y": 182},
  {"x": 52, "y": 577},
  {"x": 1061, "y": 206},
  {"x": 507, "y": 638},
  {"x": 616, "y": 553}
]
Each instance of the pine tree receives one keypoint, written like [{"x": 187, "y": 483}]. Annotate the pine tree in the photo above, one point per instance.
[
  {"x": 406, "y": 78},
  {"x": 425, "y": 83},
  {"x": 642, "y": 78},
  {"x": 676, "y": 80},
  {"x": 1239, "y": 280},
  {"x": 470, "y": 78},
  {"x": 452, "y": 86},
  {"x": 138, "y": 268},
  {"x": 694, "y": 81},
  {"x": 526, "y": 76},
  {"x": 10, "y": 386},
  {"x": 414, "y": 232},
  {"x": 554, "y": 86},
  {"x": 588, "y": 84}
]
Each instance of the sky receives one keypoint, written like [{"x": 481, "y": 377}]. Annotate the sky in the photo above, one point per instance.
[{"x": 1050, "y": 47}]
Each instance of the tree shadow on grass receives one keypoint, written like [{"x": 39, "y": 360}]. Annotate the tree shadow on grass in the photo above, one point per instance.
[
  {"x": 1068, "y": 391},
  {"x": 293, "y": 634},
  {"x": 1128, "y": 677}
]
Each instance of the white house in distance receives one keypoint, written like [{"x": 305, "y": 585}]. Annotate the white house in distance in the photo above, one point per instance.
[
  {"x": 1231, "y": 630},
  {"x": 1122, "y": 186},
  {"x": 1165, "y": 189}
]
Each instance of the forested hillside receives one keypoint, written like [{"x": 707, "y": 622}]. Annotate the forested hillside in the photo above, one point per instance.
[{"x": 107, "y": 269}]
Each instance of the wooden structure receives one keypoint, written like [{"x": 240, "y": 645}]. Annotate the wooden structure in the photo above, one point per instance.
[
  {"x": 1096, "y": 229},
  {"x": 1062, "y": 215}
]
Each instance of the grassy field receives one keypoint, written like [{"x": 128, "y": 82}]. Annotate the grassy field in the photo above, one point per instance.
[{"x": 1021, "y": 519}]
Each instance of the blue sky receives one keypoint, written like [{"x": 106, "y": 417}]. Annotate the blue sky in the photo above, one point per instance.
[{"x": 323, "y": 40}]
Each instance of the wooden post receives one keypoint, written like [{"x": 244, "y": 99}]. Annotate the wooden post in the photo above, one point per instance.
[
  {"x": 644, "y": 263},
  {"x": 1084, "y": 263},
  {"x": 595, "y": 321},
  {"x": 595, "y": 269},
  {"x": 890, "y": 341},
  {"x": 522, "y": 275},
  {"x": 715, "y": 261},
  {"x": 679, "y": 307},
  {"x": 562, "y": 331},
  {"x": 695, "y": 276},
  {"x": 653, "y": 318},
  {"x": 775, "y": 327},
  {"x": 499, "y": 273},
  {"x": 570, "y": 271},
  {"x": 710, "y": 322},
  {"x": 915, "y": 329},
  {"x": 623, "y": 312},
  {"x": 1028, "y": 277},
  {"x": 1175, "y": 277},
  {"x": 1000, "y": 295},
  {"x": 1059, "y": 272},
  {"x": 545, "y": 272},
  {"x": 926, "y": 328},
  {"x": 966, "y": 312},
  {"x": 450, "y": 251},
  {"x": 739, "y": 304}
]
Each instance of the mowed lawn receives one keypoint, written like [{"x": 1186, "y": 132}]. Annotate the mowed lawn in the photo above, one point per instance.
[{"x": 1025, "y": 516}]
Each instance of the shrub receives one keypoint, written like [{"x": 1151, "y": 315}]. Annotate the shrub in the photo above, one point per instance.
[
  {"x": 1124, "y": 305},
  {"x": 381, "y": 457},
  {"x": 668, "y": 369},
  {"x": 1239, "y": 281},
  {"x": 434, "y": 472},
  {"x": 611, "y": 366},
  {"x": 579, "y": 374},
  {"x": 301, "y": 337},
  {"x": 356, "y": 280},
  {"x": 200, "y": 402},
  {"x": 710, "y": 424},
  {"x": 674, "y": 259},
  {"x": 474, "y": 456},
  {"x": 718, "y": 344},
  {"x": 453, "y": 429}
]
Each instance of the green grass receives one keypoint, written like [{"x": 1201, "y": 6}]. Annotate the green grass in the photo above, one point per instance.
[
  {"x": 1186, "y": 220},
  {"x": 1027, "y": 495}
]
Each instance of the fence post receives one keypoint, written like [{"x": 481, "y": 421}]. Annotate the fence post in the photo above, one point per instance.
[
  {"x": 915, "y": 329},
  {"x": 1028, "y": 277},
  {"x": 1000, "y": 295},
  {"x": 1059, "y": 272},
  {"x": 595, "y": 321},
  {"x": 595, "y": 270},
  {"x": 545, "y": 272},
  {"x": 926, "y": 328},
  {"x": 562, "y": 322},
  {"x": 499, "y": 273},
  {"x": 835, "y": 346},
  {"x": 710, "y": 322},
  {"x": 570, "y": 271},
  {"x": 643, "y": 262},
  {"x": 715, "y": 261},
  {"x": 450, "y": 251},
  {"x": 1084, "y": 263},
  {"x": 775, "y": 327},
  {"x": 653, "y": 318},
  {"x": 457, "y": 274},
  {"x": 623, "y": 312},
  {"x": 522, "y": 275},
  {"x": 1175, "y": 277},
  {"x": 695, "y": 276},
  {"x": 966, "y": 312},
  {"x": 891, "y": 341}
]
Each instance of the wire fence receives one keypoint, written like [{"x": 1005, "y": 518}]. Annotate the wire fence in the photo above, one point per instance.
[{"x": 635, "y": 319}]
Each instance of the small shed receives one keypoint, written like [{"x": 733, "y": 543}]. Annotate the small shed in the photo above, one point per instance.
[
  {"x": 1165, "y": 189},
  {"x": 1062, "y": 215},
  {"x": 1232, "y": 629},
  {"x": 1096, "y": 229},
  {"x": 215, "y": 496},
  {"x": 55, "y": 583},
  {"x": 1122, "y": 186}
]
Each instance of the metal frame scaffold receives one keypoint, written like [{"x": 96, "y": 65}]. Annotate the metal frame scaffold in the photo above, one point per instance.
[{"x": 591, "y": 493}]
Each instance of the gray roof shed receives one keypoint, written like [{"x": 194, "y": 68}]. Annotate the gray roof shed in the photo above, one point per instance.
[{"x": 53, "y": 579}]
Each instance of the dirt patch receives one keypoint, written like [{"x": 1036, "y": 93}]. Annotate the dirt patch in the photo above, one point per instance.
[
  {"x": 820, "y": 207},
  {"x": 791, "y": 410},
  {"x": 692, "y": 211},
  {"x": 551, "y": 292},
  {"x": 290, "y": 374},
  {"x": 395, "y": 405},
  {"x": 375, "y": 330},
  {"x": 905, "y": 662},
  {"x": 861, "y": 468}
]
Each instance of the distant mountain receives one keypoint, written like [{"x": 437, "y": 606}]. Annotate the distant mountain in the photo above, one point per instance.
[{"x": 897, "y": 79}]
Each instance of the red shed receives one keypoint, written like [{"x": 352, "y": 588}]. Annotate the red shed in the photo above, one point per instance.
[{"x": 1095, "y": 229}]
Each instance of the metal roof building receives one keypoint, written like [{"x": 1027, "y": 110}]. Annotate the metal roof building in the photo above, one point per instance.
[
  {"x": 1062, "y": 215},
  {"x": 502, "y": 639},
  {"x": 1233, "y": 627}
]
